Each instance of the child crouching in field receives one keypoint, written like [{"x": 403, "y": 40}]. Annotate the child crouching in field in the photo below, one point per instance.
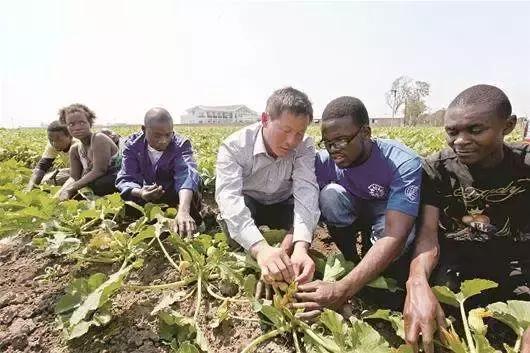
[
  {"x": 59, "y": 143},
  {"x": 158, "y": 167},
  {"x": 94, "y": 161}
]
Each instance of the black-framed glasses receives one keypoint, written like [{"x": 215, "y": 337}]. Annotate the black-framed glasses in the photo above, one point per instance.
[{"x": 339, "y": 143}]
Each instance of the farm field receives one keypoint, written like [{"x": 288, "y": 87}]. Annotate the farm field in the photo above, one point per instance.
[{"x": 80, "y": 276}]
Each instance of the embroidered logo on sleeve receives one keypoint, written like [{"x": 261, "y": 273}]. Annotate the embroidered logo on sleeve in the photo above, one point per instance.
[{"x": 412, "y": 193}]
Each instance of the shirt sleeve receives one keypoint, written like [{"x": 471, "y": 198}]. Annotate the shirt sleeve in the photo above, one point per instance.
[
  {"x": 185, "y": 174},
  {"x": 430, "y": 192},
  {"x": 44, "y": 164},
  {"x": 324, "y": 170},
  {"x": 230, "y": 199},
  {"x": 305, "y": 193},
  {"x": 404, "y": 195},
  {"x": 50, "y": 152},
  {"x": 130, "y": 174}
]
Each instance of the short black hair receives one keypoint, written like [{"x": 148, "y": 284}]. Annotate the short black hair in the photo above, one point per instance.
[
  {"x": 347, "y": 106},
  {"x": 157, "y": 114},
  {"x": 77, "y": 108},
  {"x": 57, "y": 126},
  {"x": 487, "y": 95},
  {"x": 290, "y": 100}
]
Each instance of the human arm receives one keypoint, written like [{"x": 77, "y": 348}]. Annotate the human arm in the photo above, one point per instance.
[
  {"x": 75, "y": 173},
  {"x": 102, "y": 148},
  {"x": 43, "y": 165},
  {"x": 317, "y": 295},
  {"x": 306, "y": 210},
  {"x": 525, "y": 347},
  {"x": 185, "y": 223},
  {"x": 238, "y": 219},
  {"x": 400, "y": 215},
  {"x": 186, "y": 182},
  {"x": 422, "y": 311},
  {"x": 130, "y": 178}
]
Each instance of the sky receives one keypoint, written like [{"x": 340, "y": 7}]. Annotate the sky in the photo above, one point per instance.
[{"x": 121, "y": 58}]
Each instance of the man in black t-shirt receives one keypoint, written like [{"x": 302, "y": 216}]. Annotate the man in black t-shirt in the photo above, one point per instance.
[{"x": 475, "y": 220}]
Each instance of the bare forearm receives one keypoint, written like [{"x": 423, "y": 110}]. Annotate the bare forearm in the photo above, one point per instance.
[
  {"x": 87, "y": 179},
  {"x": 425, "y": 258},
  {"x": 423, "y": 264},
  {"x": 185, "y": 196},
  {"x": 526, "y": 342},
  {"x": 36, "y": 177},
  {"x": 378, "y": 258}
]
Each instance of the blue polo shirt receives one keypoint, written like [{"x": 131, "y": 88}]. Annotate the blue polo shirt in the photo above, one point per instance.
[{"x": 392, "y": 172}]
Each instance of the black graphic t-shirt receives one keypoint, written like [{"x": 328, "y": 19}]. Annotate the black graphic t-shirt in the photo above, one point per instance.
[{"x": 480, "y": 204}]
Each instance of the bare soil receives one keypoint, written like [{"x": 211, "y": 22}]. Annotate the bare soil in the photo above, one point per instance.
[{"x": 31, "y": 283}]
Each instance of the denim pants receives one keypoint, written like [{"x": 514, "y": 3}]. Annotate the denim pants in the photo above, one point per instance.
[{"x": 340, "y": 209}]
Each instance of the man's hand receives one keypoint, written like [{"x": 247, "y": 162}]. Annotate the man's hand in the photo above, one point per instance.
[
  {"x": 525, "y": 348},
  {"x": 287, "y": 243},
  {"x": 65, "y": 194},
  {"x": 185, "y": 224},
  {"x": 303, "y": 265},
  {"x": 317, "y": 295},
  {"x": 151, "y": 192},
  {"x": 422, "y": 314},
  {"x": 274, "y": 263}
]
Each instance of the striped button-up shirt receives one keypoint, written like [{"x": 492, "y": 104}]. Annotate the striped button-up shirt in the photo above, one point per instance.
[{"x": 245, "y": 168}]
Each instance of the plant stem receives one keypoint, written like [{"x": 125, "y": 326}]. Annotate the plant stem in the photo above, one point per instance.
[
  {"x": 199, "y": 297},
  {"x": 469, "y": 338},
  {"x": 244, "y": 318},
  {"x": 220, "y": 297},
  {"x": 89, "y": 224},
  {"x": 124, "y": 264},
  {"x": 167, "y": 255},
  {"x": 95, "y": 259},
  {"x": 518, "y": 343},
  {"x": 296, "y": 343},
  {"x": 254, "y": 344},
  {"x": 178, "y": 284},
  {"x": 317, "y": 339}
]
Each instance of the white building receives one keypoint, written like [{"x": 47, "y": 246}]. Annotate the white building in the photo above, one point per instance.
[{"x": 225, "y": 114}]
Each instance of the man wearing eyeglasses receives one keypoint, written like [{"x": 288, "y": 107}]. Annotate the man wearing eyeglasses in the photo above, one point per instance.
[{"x": 365, "y": 184}]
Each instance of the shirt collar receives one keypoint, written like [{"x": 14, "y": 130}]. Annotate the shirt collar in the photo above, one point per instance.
[
  {"x": 259, "y": 144},
  {"x": 259, "y": 147},
  {"x": 152, "y": 150}
]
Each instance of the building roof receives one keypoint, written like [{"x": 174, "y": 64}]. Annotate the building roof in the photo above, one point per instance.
[
  {"x": 221, "y": 108},
  {"x": 387, "y": 117}
]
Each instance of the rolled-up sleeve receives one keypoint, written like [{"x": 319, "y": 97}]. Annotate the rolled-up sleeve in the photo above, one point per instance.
[
  {"x": 229, "y": 198},
  {"x": 130, "y": 175},
  {"x": 305, "y": 192},
  {"x": 185, "y": 174}
]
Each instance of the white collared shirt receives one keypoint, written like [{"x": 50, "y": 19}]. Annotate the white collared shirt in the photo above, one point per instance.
[
  {"x": 245, "y": 168},
  {"x": 154, "y": 155}
]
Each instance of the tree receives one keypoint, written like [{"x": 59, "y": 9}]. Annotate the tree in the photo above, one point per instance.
[
  {"x": 405, "y": 91},
  {"x": 433, "y": 119},
  {"x": 413, "y": 109},
  {"x": 397, "y": 95}
]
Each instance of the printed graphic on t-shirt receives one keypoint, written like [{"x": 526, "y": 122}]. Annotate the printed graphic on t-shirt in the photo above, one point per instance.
[
  {"x": 377, "y": 191},
  {"x": 480, "y": 206}
]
